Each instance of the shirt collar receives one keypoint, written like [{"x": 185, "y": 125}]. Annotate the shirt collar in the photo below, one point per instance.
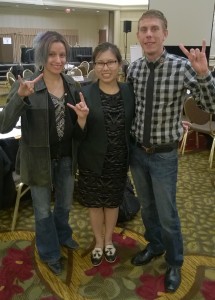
[{"x": 160, "y": 60}]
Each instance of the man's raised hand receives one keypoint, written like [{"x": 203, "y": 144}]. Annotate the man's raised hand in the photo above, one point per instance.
[{"x": 197, "y": 58}]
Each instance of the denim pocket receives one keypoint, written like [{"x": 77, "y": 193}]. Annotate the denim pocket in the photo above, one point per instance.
[{"x": 168, "y": 155}]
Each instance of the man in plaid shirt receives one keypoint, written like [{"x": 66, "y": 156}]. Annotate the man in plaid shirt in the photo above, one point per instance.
[{"x": 154, "y": 166}]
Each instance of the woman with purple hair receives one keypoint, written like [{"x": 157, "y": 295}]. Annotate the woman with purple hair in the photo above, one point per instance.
[{"x": 48, "y": 146}]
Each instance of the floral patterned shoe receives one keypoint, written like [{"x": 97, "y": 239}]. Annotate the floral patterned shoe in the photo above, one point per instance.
[
  {"x": 110, "y": 253},
  {"x": 97, "y": 256}
]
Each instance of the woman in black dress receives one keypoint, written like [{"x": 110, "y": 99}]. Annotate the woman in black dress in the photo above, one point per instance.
[{"x": 103, "y": 154}]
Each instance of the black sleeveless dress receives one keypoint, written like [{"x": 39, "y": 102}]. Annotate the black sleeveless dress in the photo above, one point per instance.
[{"x": 107, "y": 190}]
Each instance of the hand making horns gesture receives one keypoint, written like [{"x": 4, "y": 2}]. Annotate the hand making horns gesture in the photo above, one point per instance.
[
  {"x": 26, "y": 88},
  {"x": 80, "y": 108},
  {"x": 197, "y": 58}
]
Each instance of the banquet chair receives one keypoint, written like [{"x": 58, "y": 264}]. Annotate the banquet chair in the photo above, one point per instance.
[
  {"x": 83, "y": 70},
  {"x": 21, "y": 190},
  {"x": 200, "y": 121},
  {"x": 86, "y": 65},
  {"x": 75, "y": 72},
  {"x": 10, "y": 78},
  {"x": 27, "y": 73},
  {"x": 186, "y": 126},
  {"x": 92, "y": 76}
]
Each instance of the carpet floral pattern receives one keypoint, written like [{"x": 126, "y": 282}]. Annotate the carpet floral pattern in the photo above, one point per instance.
[{"x": 23, "y": 276}]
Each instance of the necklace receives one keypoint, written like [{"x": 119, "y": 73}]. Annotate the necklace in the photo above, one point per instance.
[{"x": 56, "y": 88}]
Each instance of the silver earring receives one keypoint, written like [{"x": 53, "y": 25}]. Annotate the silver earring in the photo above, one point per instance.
[
  {"x": 41, "y": 68},
  {"x": 65, "y": 68}
]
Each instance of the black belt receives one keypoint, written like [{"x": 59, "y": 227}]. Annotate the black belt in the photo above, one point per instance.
[{"x": 156, "y": 148}]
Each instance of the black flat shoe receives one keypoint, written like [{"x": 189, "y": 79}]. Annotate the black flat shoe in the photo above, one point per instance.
[
  {"x": 110, "y": 253},
  {"x": 97, "y": 256},
  {"x": 172, "y": 279},
  {"x": 55, "y": 267},
  {"x": 144, "y": 257},
  {"x": 71, "y": 244}
]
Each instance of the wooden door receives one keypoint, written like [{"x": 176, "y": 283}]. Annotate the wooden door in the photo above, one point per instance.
[
  {"x": 102, "y": 36},
  {"x": 6, "y": 52}
]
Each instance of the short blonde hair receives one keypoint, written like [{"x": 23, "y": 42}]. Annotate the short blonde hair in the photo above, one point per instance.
[{"x": 153, "y": 13}]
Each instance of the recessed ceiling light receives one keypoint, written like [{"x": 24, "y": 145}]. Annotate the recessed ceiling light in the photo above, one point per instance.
[{"x": 67, "y": 10}]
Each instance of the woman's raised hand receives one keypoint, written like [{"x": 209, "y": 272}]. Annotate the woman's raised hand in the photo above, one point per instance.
[
  {"x": 26, "y": 88},
  {"x": 81, "y": 110}
]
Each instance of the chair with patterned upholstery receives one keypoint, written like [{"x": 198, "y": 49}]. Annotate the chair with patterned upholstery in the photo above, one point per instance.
[{"x": 200, "y": 121}]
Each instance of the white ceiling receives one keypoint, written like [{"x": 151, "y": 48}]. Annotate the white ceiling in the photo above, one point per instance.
[
  {"x": 113, "y": 2},
  {"x": 76, "y": 6}
]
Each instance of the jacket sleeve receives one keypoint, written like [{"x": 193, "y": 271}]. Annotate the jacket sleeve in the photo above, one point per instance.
[
  {"x": 12, "y": 111},
  {"x": 79, "y": 133},
  {"x": 73, "y": 89}
]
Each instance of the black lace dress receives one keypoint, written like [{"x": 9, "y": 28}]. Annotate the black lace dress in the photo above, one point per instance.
[{"x": 107, "y": 190}]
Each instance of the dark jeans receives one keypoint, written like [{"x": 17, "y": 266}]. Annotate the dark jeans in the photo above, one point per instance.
[
  {"x": 52, "y": 227},
  {"x": 155, "y": 178}
]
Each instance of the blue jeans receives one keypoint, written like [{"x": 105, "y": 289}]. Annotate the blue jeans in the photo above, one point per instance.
[
  {"x": 155, "y": 179},
  {"x": 52, "y": 227}
]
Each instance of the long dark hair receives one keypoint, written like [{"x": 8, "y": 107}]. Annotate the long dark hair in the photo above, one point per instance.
[{"x": 104, "y": 47}]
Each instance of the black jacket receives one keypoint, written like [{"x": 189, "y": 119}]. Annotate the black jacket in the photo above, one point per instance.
[{"x": 91, "y": 152}]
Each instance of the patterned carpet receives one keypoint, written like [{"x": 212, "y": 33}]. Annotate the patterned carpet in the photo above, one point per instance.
[{"x": 23, "y": 276}]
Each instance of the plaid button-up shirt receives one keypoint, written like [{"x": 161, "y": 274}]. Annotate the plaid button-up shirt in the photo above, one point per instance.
[{"x": 173, "y": 77}]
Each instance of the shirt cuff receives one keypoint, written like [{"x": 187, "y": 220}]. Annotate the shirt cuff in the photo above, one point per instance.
[{"x": 205, "y": 78}]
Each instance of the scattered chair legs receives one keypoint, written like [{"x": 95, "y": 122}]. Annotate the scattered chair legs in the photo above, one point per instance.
[{"x": 21, "y": 190}]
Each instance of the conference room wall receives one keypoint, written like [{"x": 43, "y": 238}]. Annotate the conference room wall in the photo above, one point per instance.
[
  {"x": 87, "y": 25},
  {"x": 131, "y": 37}
]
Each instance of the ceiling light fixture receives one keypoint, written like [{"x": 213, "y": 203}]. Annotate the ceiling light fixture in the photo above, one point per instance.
[{"x": 68, "y": 10}]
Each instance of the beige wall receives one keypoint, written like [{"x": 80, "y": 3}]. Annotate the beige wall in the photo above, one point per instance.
[
  {"x": 87, "y": 25},
  {"x": 132, "y": 16}
]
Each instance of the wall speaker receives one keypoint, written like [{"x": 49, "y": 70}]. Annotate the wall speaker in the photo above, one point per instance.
[{"x": 127, "y": 26}]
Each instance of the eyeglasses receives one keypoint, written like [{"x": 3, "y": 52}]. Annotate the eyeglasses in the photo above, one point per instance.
[{"x": 110, "y": 64}]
